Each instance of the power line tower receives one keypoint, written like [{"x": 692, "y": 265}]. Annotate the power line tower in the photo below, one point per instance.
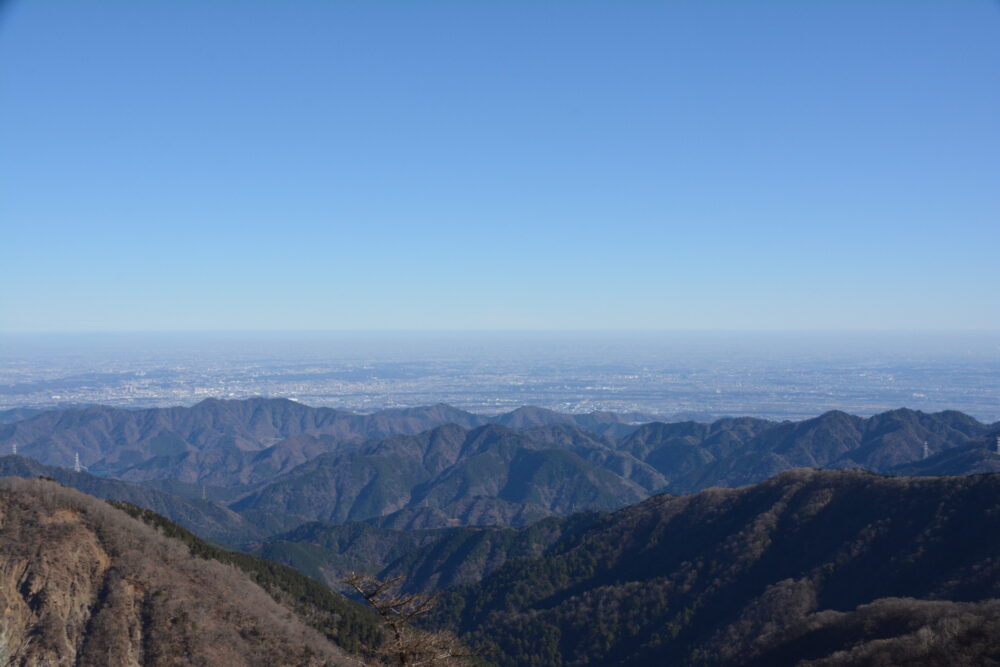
[
  {"x": 997, "y": 449},
  {"x": 927, "y": 450},
  {"x": 13, "y": 448},
  {"x": 77, "y": 467}
]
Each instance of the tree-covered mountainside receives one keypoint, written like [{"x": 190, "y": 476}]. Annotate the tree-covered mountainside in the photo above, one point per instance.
[
  {"x": 734, "y": 452},
  {"x": 494, "y": 475},
  {"x": 823, "y": 567},
  {"x": 977, "y": 457},
  {"x": 515, "y": 477},
  {"x": 425, "y": 560},
  {"x": 836, "y": 567},
  {"x": 84, "y": 583},
  {"x": 831, "y": 566}
]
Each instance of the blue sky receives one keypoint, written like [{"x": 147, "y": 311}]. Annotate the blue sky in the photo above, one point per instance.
[{"x": 499, "y": 165}]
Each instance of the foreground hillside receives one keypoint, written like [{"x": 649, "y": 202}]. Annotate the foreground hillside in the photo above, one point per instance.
[
  {"x": 836, "y": 567},
  {"x": 84, "y": 583},
  {"x": 809, "y": 567}
]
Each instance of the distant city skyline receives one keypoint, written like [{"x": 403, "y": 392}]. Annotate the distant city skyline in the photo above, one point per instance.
[{"x": 499, "y": 166}]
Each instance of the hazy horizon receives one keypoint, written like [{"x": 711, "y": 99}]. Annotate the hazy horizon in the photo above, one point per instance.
[
  {"x": 709, "y": 374},
  {"x": 88, "y": 332}
]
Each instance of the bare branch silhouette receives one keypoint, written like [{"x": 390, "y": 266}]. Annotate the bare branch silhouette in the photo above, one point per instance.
[{"x": 407, "y": 645}]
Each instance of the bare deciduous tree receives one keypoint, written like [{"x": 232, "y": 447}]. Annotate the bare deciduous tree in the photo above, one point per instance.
[{"x": 408, "y": 646}]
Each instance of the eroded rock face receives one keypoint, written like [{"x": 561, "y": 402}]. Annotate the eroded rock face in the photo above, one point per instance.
[
  {"x": 82, "y": 583},
  {"x": 52, "y": 574}
]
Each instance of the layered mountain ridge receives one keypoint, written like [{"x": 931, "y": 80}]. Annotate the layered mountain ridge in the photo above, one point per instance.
[
  {"x": 742, "y": 541},
  {"x": 273, "y": 464},
  {"x": 233, "y": 442}
]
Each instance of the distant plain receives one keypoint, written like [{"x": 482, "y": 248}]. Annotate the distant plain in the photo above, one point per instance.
[{"x": 678, "y": 374}]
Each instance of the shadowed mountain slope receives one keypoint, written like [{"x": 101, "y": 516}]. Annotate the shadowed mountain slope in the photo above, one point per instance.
[
  {"x": 799, "y": 567},
  {"x": 978, "y": 457},
  {"x": 735, "y": 452},
  {"x": 494, "y": 475},
  {"x": 427, "y": 560},
  {"x": 448, "y": 475}
]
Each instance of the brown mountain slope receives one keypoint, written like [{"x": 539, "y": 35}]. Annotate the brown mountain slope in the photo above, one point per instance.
[{"x": 83, "y": 583}]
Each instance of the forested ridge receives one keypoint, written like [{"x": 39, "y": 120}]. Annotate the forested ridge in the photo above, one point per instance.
[{"x": 801, "y": 567}]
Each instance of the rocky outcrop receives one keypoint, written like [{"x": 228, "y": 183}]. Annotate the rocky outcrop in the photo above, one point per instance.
[{"x": 82, "y": 583}]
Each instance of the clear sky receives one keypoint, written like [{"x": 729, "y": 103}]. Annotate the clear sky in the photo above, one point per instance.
[{"x": 492, "y": 165}]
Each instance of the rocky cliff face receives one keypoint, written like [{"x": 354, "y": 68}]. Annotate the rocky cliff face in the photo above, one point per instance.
[{"x": 82, "y": 583}]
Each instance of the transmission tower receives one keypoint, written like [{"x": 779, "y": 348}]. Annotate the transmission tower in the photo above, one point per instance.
[
  {"x": 13, "y": 448},
  {"x": 927, "y": 450},
  {"x": 76, "y": 463}
]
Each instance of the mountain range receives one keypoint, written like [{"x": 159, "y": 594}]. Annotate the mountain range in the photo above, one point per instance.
[
  {"x": 551, "y": 539},
  {"x": 248, "y": 469},
  {"x": 811, "y": 567},
  {"x": 234, "y": 442}
]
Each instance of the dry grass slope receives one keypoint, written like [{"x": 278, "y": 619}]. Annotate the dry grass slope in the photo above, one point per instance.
[{"x": 83, "y": 583}]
